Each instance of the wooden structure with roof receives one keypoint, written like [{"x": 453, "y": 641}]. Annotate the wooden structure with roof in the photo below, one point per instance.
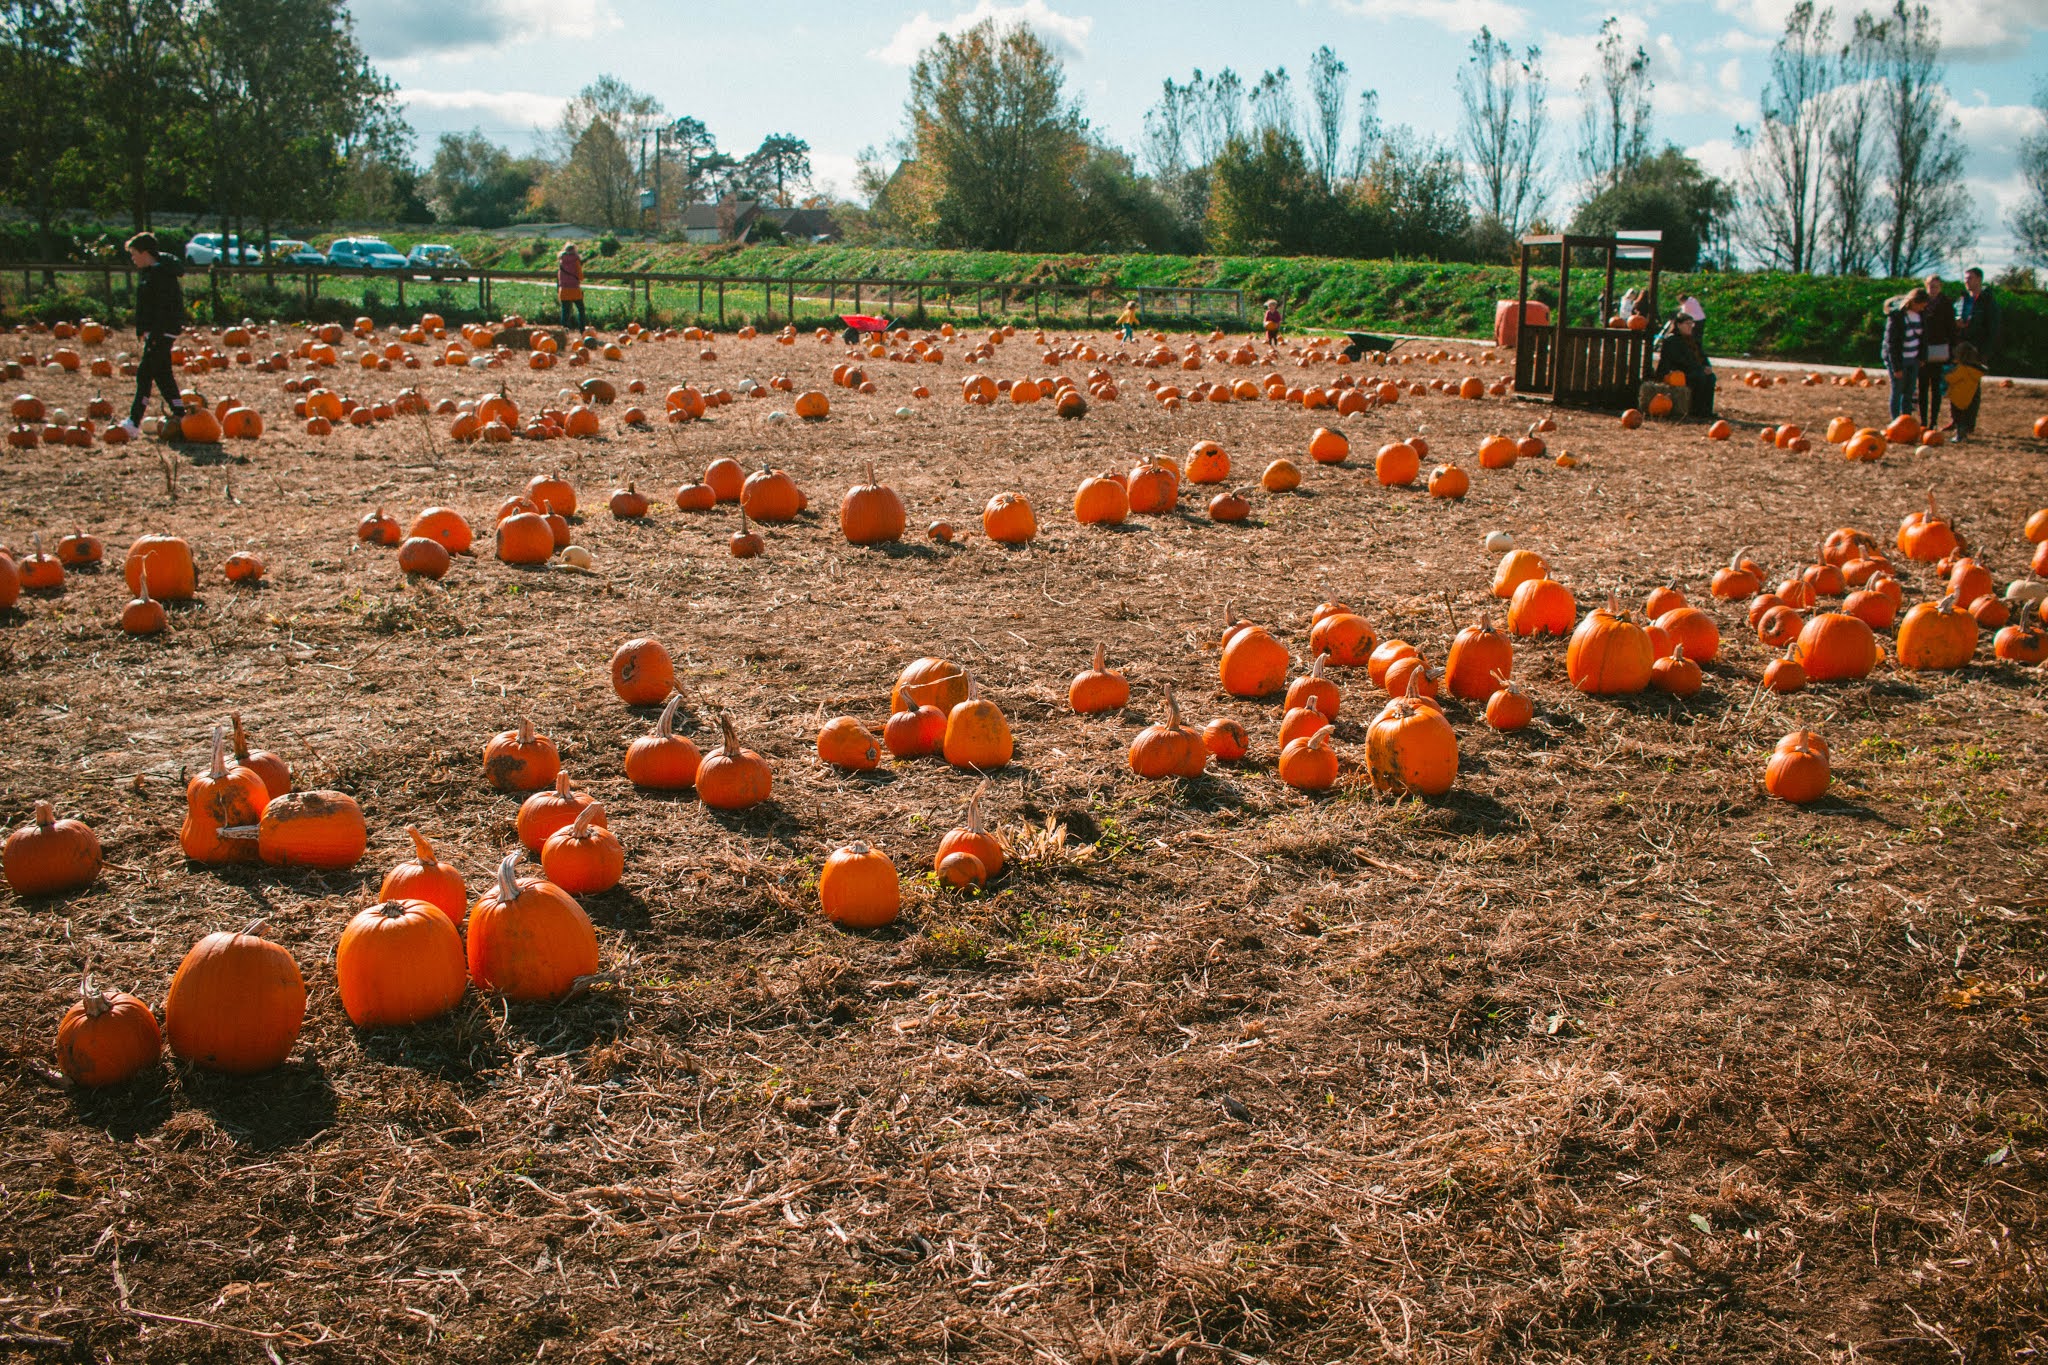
[{"x": 1595, "y": 366}]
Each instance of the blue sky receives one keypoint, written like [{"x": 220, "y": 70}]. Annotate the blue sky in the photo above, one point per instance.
[{"x": 836, "y": 75}]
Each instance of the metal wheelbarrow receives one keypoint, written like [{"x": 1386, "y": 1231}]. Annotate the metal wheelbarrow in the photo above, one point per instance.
[
  {"x": 858, "y": 323},
  {"x": 1361, "y": 342}
]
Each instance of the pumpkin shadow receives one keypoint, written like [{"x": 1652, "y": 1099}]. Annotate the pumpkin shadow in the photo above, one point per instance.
[
  {"x": 128, "y": 1111},
  {"x": 212, "y": 455},
  {"x": 898, "y": 549},
  {"x": 283, "y": 1107},
  {"x": 769, "y": 817},
  {"x": 578, "y": 1026},
  {"x": 1476, "y": 812},
  {"x": 457, "y": 1047},
  {"x": 1210, "y": 792},
  {"x": 619, "y": 908}
]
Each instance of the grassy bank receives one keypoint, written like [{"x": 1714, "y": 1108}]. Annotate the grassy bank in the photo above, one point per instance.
[{"x": 1825, "y": 319}]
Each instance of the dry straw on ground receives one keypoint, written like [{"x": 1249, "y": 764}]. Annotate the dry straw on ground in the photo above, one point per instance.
[{"x": 1603, "y": 1054}]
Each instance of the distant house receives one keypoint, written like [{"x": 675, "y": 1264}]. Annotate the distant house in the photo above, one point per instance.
[
  {"x": 734, "y": 220},
  {"x": 729, "y": 220},
  {"x": 805, "y": 225}
]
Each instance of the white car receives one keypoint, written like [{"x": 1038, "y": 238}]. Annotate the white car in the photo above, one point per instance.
[{"x": 207, "y": 248}]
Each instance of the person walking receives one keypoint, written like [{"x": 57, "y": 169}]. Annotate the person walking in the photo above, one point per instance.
[
  {"x": 1965, "y": 388},
  {"x": 1904, "y": 344},
  {"x": 569, "y": 285},
  {"x": 1977, "y": 318},
  {"x": 1272, "y": 322},
  {"x": 1127, "y": 321},
  {"x": 1937, "y": 334},
  {"x": 1679, "y": 349},
  {"x": 159, "y": 317}
]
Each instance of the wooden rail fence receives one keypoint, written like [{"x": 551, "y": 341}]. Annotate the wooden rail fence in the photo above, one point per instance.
[{"x": 715, "y": 294}]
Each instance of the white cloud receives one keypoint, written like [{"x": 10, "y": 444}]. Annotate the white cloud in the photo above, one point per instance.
[
  {"x": 1065, "y": 34},
  {"x": 1458, "y": 16},
  {"x": 403, "y": 31},
  {"x": 1971, "y": 30},
  {"x": 495, "y": 111}
]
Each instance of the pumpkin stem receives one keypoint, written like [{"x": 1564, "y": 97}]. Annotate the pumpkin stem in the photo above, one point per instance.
[
  {"x": 728, "y": 738},
  {"x": 142, "y": 575},
  {"x": 526, "y": 734},
  {"x": 1678, "y": 653},
  {"x": 45, "y": 815},
  {"x": 665, "y": 727},
  {"x": 421, "y": 849},
  {"x": 508, "y": 880},
  {"x": 1101, "y": 658},
  {"x": 581, "y": 829},
  {"x": 241, "y": 741},
  {"x": 1315, "y": 670},
  {"x": 561, "y": 786},
  {"x": 973, "y": 823},
  {"x": 219, "y": 769},
  {"x": 1172, "y": 709}
]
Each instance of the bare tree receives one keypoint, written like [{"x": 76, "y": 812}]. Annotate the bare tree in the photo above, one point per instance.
[
  {"x": 1219, "y": 113},
  {"x": 1614, "y": 136},
  {"x": 2030, "y": 219},
  {"x": 1366, "y": 138},
  {"x": 1168, "y": 125},
  {"x": 1928, "y": 216},
  {"x": 1273, "y": 102},
  {"x": 1504, "y": 123},
  {"x": 1782, "y": 160},
  {"x": 1329, "y": 81},
  {"x": 1849, "y": 160}
]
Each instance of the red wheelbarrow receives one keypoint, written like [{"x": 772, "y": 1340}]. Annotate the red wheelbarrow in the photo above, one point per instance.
[{"x": 857, "y": 323}]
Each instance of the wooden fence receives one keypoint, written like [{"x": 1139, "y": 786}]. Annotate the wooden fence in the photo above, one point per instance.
[{"x": 648, "y": 293}]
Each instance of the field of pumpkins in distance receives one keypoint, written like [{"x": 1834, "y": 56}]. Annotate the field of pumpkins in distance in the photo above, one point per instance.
[{"x": 456, "y": 723}]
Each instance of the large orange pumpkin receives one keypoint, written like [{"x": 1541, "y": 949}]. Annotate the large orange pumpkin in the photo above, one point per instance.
[{"x": 236, "y": 1004}]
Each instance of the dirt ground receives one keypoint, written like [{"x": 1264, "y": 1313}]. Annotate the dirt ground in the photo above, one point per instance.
[{"x": 1603, "y": 1054}]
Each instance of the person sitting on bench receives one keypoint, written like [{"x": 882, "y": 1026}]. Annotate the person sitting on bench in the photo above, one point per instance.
[{"x": 1677, "y": 349}]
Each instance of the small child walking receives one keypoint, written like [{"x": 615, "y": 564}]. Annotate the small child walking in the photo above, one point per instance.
[
  {"x": 1272, "y": 322},
  {"x": 1127, "y": 321},
  {"x": 159, "y": 317},
  {"x": 1965, "y": 377}
]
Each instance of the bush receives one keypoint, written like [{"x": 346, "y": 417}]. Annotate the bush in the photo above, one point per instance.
[{"x": 608, "y": 245}]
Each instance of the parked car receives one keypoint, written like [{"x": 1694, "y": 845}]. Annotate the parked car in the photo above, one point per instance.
[
  {"x": 289, "y": 252},
  {"x": 437, "y": 261},
  {"x": 372, "y": 253},
  {"x": 207, "y": 248}
]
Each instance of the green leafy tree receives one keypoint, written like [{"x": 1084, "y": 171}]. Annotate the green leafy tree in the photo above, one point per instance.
[
  {"x": 130, "y": 56},
  {"x": 40, "y": 96},
  {"x": 1668, "y": 192},
  {"x": 1267, "y": 200},
  {"x": 1414, "y": 201},
  {"x": 996, "y": 141},
  {"x": 781, "y": 163},
  {"x": 474, "y": 181},
  {"x": 596, "y": 177}
]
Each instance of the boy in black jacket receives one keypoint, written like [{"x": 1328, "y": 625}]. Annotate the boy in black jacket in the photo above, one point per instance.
[{"x": 159, "y": 317}]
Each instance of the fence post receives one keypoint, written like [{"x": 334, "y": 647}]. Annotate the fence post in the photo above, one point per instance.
[
  {"x": 721, "y": 303},
  {"x": 789, "y": 299},
  {"x": 767, "y": 300}
]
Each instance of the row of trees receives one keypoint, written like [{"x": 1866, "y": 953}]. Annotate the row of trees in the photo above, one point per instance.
[
  {"x": 263, "y": 114},
  {"x": 263, "y": 111},
  {"x": 1856, "y": 165}
]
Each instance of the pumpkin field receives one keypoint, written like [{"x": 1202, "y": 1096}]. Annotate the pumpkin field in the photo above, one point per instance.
[{"x": 1012, "y": 846}]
